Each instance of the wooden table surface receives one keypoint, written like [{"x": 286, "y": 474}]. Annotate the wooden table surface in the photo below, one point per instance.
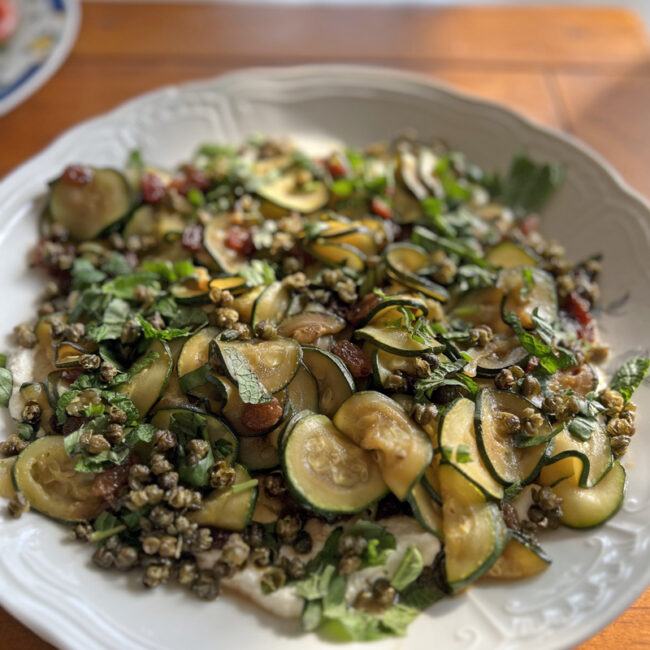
[{"x": 585, "y": 71}]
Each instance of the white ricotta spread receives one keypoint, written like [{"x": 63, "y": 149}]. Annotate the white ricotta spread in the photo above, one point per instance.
[
  {"x": 286, "y": 603},
  {"x": 22, "y": 363}
]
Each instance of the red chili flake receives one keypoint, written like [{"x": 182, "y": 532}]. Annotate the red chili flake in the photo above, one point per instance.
[
  {"x": 354, "y": 358},
  {"x": 335, "y": 167},
  {"x": 192, "y": 237},
  {"x": 357, "y": 312},
  {"x": 529, "y": 225},
  {"x": 260, "y": 417},
  {"x": 533, "y": 362},
  {"x": 381, "y": 208},
  {"x": 153, "y": 188},
  {"x": 579, "y": 308},
  {"x": 77, "y": 175},
  {"x": 195, "y": 178},
  {"x": 240, "y": 240},
  {"x": 110, "y": 480}
]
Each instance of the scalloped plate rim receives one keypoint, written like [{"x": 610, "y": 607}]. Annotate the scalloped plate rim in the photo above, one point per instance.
[{"x": 571, "y": 636}]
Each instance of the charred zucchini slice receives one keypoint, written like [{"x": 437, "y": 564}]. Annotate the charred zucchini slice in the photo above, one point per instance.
[
  {"x": 275, "y": 362},
  {"x": 426, "y": 510},
  {"x": 303, "y": 391},
  {"x": 271, "y": 305},
  {"x": 507, "y": 255},
  {"x": 334, "y": 381},
  {"x": 521, "y": 558},
  {"x": 458, "y": 446},
  {"x": 589, "y": 507},
  {"x": 326, "y": 470},
  {"x": 284, "y": 194},
  {"x": 228, "y": 508},
  {"x": 214, "y": 242},
  {"x": 92, "y": 208},
  {"x": 505, "y": 458},
  {"x": 473, "y": 529},
  {"x": 378, "y": 423},
  {"x": 7, "y": 490},
  {"x": 45, "y": 475},
  {"x": 146, "y": 388},
  {"x": 526, "y": 289},
  {"x": 501, "y": 352},
  {"x": 308, "y": 326}
]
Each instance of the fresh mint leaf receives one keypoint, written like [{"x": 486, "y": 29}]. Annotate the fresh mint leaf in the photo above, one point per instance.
[
  {"x": 188, "y": 317},
  {"x": 90, "y": 305},
  {"x": 312, "y": 615},
  {"x": 6, "y": 386},
  {"x": 629, "y": 376},
  {"x": 409, "y": 569},
  {"x": 316, "y": 585},
  {"x": 25, "y": 431},
  {"x": 329, "y": 554},
  {"x": 313, "y": 230},
  {"x": 116, "y": 265},
  {"x": 430, "y": 241},
  {"x": 528, "y": 186},
  {"x": 342, "y": 188},
  {"x": 140, "y": 433},
  {"x": 374, "y": 554},
  {"x": 512, "y": 491},
  {"x": 463, "y": 454},
  {"x": 105, "y": 521},
  {"x": 256, "y": 273},
  {"x": 84, "y": 273},
  {"x": 420, "y": 596},
  {"x": 222, "y": 449},
  {"x": 115, "y": 315},
  {"x": 583, "y": 428},
  {"x": 150, "y": 332},
  {"x": 123, "y": 403},
  {"x": 334, "y": 600},
  {"x": 136, "y": 368},
  {"x": 62, "y": 403},
  {"x": 251, "y": 390},
  {"x": 550, "y": 360},
  {"x": 168, "y": 272},
  {"x": 123, "y": 285},
  {"x": 188, "y": 425},
  {"x": 446, "y": 374}
]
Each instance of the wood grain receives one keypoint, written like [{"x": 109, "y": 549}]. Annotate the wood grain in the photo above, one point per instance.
[{"x": 586, "y": 71}]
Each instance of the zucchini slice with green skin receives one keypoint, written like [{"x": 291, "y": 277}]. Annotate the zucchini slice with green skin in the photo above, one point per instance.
[
  {"x": 194, "y": 289},
  {"x": 7, "y": 490},
  {"x": 244, "y": 303},
  {"x": 473, "y": 529},
  {"x": 258, "y": 454},
  {"x": 214, "y": 242},
  {"x": 501, "y": 352},
  {"x": 195, "y": 351},
  {"x": 507, "y": 255},
  {"x": 68, "y": 355},
  {"x": 589, "y": 507},
  {"x": 521, "y": 558},
  {"x": 45, "y": 475},
  {"x": 235, "y": 284},
  {"x": 284, "y": 194},
  {"x": 588, "y": 460},
  {"x": 482, "y": 307},
  {"x": 397, "y": 340},
  {"x": 507, "y": 462},
  {"x": 385, "y": 364},
  {"x": 334, "y": 381},
  {"x": 378, "y": 423},
  {"x": 426, "y": 509},
  {"x": 525, "y": 289},
  {"x": 337, "y": 255},
  {"x": 271, "y": 305},
  {"x": 308, "y": 326},
  {"x": 146, "y": 388},
  {"x": 225, "y": 508},
  {"x": 303, "y": 391},
  {"x": 414, "y": 303},
  {"x": 328, "y": 472},
  {"x": 406, "y": 259},
  {"x": 217, "y": 429},
  {"x": 421, "y": 284},
  {"x": 360, "y": 238},
  {"x": 89, "y": 210},
  {"x": 456, "y": 430},
  {"x": 275, "y": 362}
]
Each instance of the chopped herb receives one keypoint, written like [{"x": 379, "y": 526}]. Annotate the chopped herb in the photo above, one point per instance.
[
  {"x": 84, "y": 273},
  {"x": 257, "y": 272},
  {"x": 136, "y": 368},
  {"x": 251, "y": 390},
  {"x": 583, "y": 428},
  {"x": 629, "y": 376},
  {"x": 528, "y": 186},
  {"x": 246, "y": 485},
  {"x": 409, "y": 569},
  {"x": 150, "y": 332},
  {"x": 463, "y": 454},
  {"x": 123, "y": 285},
  {"x": 529, "y": 282},
  {"x": 6, "y": 386}
]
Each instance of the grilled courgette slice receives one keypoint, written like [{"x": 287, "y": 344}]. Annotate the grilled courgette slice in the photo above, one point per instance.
[{"x": 326, "y": 470}]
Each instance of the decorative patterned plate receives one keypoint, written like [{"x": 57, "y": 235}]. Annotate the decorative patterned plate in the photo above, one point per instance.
[
  {"x": 47, "y": 30},
  {"x": 48, "y": 582}
]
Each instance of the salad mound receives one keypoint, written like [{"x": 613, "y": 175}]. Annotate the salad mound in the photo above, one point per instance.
[{"x": 342, "y": 387}]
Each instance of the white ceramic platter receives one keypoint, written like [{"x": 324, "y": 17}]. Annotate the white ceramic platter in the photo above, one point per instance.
[
  {"x": 48, "y": 582},
  {"x": 47, "y": 30}
]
